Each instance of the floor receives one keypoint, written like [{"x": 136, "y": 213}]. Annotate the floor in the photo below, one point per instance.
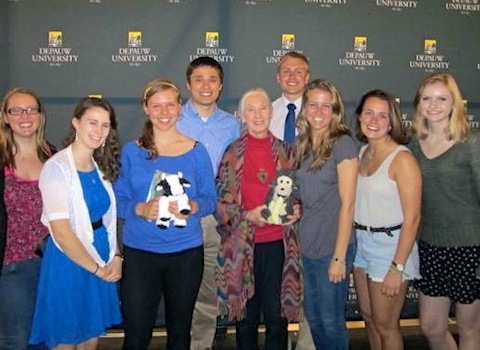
[{"x": 414, "y": 340}]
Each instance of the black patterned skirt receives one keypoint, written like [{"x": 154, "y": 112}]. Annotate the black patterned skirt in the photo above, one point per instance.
[{"x": 449, "y": 272}]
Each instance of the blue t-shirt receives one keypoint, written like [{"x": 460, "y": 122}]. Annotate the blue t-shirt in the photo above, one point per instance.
[{"x": 132, "y": 187}]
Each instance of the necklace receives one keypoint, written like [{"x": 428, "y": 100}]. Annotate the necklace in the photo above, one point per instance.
[
  {"x": 89, "y": 176},
  {"x": 262, "y": 175},
  {"x": 92, "y": 177},
  {"x": 370, "y": 154}
]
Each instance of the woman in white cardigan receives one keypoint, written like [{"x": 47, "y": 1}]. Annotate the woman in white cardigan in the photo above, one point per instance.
[{"x": 77, "y": 297}]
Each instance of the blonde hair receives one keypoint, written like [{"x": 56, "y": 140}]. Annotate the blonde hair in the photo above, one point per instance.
[
  {"x": 457, "y": 128},
  {"x": 293, "y": 54},
  {"x": 335, "y": 129},
  {"x": 157, "y": 85}
]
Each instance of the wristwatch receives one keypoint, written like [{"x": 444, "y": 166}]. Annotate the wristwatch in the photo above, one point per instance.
[{"x": 399, "y": 267}]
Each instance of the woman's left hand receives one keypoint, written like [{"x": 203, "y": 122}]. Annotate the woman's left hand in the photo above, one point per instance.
[
  {"x": 173, "y": 208},
  {"x": 392, "y": 283},
  {"x": 294, "y": 217},
  {"x": 337, "y": 271}
]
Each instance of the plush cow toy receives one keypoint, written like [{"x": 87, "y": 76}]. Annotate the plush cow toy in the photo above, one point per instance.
[
  {"x": 280, "y": 198},
  {"x": 172, "y": 187}
]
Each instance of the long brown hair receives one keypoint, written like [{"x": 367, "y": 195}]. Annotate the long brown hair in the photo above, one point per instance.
[
  {"x": 107, "y": 156},
  {"x": 397, "y": 129},
  {"x": 8, "y": 146},
  {"x": 335, "y": 129}
]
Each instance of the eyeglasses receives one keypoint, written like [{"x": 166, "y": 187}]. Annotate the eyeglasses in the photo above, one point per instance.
[{"x": 17, "y": 111}]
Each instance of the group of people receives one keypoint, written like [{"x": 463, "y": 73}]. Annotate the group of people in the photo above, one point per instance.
[{"x": 394, "y": 210}]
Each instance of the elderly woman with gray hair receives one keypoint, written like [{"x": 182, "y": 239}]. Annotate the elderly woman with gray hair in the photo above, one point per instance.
[{"x": 258, "y": 262}]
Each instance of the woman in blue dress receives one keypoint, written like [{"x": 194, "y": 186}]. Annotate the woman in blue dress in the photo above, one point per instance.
[{"x": 77, "y": 297}]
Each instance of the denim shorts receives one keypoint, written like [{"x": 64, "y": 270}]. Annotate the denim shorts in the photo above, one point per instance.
[{"x": 375, "y": 252}]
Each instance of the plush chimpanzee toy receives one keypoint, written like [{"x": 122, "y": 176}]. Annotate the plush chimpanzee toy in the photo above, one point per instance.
[{"x": 280, "y": 198}]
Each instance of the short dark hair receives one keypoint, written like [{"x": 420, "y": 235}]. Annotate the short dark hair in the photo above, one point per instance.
[{"x": 204, "y": 61}]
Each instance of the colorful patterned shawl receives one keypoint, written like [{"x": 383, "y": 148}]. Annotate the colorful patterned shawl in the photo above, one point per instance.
[{"x": 234, "y": 271}]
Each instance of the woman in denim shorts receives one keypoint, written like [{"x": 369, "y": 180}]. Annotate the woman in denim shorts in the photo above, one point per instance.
[{"x": 387, "y": 214}]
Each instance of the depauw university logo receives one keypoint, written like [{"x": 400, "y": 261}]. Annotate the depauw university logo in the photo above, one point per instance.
[
  {"x": 430, "y": 46},
  {"x": 212, "y": 39},
  {"x": 55, "y": 38},
  {"x": 288, "y": 41},
  {"x": 135, "y": 39}
]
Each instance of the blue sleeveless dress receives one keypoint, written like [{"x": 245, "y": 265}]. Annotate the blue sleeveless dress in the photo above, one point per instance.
[{"x": 73, "y": 305}]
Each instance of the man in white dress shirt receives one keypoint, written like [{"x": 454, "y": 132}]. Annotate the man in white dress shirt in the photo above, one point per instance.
[{"x": 292, "y": 75}]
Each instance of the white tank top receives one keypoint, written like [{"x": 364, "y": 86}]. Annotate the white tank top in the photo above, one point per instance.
[{"x": 377, "y": 202}]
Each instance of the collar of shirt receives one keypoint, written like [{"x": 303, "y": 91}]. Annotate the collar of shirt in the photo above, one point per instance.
[
  {"x": 189, "y": 112},
  {"x": 297, "y": 103}
]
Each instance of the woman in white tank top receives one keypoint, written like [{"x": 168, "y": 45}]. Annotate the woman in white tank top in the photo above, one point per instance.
[{"x": 387, "y": 214}]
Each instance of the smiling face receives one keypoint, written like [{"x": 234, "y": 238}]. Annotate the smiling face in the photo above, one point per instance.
[
  {"x": 292, "y": 77},
  {"x": 163, "y": 109},
  {"x": 436, "y": 103},
  {"x": 205, "y": 86},
  {"x": 375, "y": 118},
  {"x": 256, "y": 114},
  {"x": 23, "y": 115},
  {"x": 92, "y": 127},
  {"x": 319, "y": 110}
]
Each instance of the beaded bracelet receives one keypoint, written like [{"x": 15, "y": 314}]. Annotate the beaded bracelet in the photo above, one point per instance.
[{"x": 334, "y": 258}]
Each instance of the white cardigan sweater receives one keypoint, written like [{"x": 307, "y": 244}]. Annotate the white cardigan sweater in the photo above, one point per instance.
[{"x": 62, "y": 196}]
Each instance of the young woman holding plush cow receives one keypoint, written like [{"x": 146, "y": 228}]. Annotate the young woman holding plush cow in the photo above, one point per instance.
[{"x": 162, "y": 262}]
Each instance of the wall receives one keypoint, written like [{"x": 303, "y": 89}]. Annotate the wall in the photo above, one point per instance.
[
  {"x": 93, "y": 55},
  {"x": 4, "y": 54},
  {"x": 65, "y": 50}
]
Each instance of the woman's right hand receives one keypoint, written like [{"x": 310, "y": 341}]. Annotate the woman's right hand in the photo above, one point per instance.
[
  {"x": 148, "y": 210},
  {"x": 255, "y": 216},
  {"x": 111, "y": 272}
]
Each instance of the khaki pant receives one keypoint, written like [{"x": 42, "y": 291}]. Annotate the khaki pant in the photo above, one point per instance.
[
  {"x": 304, "y": 339},
  {"x": 204, "y": 322}
]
